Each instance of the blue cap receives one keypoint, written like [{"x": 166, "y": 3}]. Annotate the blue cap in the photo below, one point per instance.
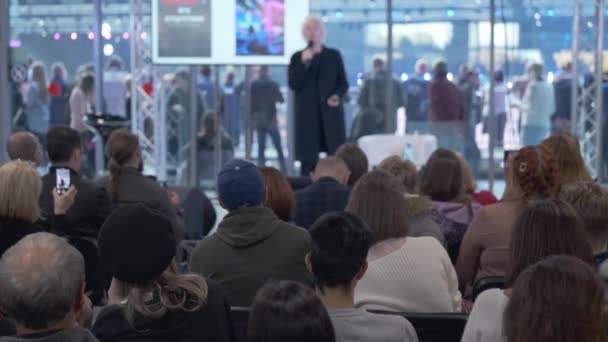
[{"x": 240, "y": 184}]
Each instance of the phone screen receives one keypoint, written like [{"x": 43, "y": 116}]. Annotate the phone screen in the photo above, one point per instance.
[{"x": 63, "y": 180}]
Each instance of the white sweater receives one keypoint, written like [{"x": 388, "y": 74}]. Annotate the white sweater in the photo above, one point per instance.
[
  {"x": 486, "y": 319},
  {"x": 418, "y": 277}
]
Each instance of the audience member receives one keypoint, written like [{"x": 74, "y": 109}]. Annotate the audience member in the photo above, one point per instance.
[
  {"x": 127, "y": 184},
  {"x": 446, "y": 109},
  {"x": 37, "y": 101},
  {"x": 287, "y": 311},
  {"x": 483, "y": 197},
  {"x": 58, "y": 103},
  {"x": 42, "y": 290},
  {"x": 208, "y": 140},
  {"x": 148, "y": 300},
  {"x": 91, "y": 204},
  {"x": 558, "y": 299},
  {"x": 24, "y": 146},
  {"x": 416, "y": 91},
  {"x": 442, "y": 180},
  {"x": 418, "y": 208},
  {"x": 590, "y": 201},
  {"x": 570, "y": 161},
  {"x": 251, "y": 244},
  {"x": 82, "y": 102},
  {"x": 279, "y": 196},
  {"x": 537, "y": 107},
  {"x": 355, "y": 159},
  {"x": 545, "y": 228},
  {"x": 395, "y": 259},
  {"x": 328, "y": 192},
  {"x": 337, "y": 260},
  {"x": 20, "y": 187},
  {"x": 531, "y": 173}
]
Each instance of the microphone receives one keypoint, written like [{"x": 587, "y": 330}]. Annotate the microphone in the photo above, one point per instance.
[{"x": 310, "y": 44}]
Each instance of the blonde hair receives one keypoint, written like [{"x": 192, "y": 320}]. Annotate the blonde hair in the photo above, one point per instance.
[
  {"x": 39, "y": 77},
  {"x": 175, "y": 292},
  {"x": 313, "y": 19},
  {"x": 20, "y": 187},
  {"x": 403, "y": 170}
]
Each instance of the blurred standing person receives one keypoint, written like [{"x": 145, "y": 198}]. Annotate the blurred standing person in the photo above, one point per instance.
[
  {"x": 446, "y": 110},
  {"x": 416, "y": 91},
  {"x": 469, "y": 85},
  {"x": 206, "y": 88},
  {"x": 60, "y": 95},
  {"x": 265, "y": 94},
  {"x": 37, "y": 101},
  {"x": 114, "y": 88},
  {"x": 317, "y": 76},
  {"x": 82, "y": 101},
  {"x": 538, "y": 105},
  {"x": 373, "y": 96},
  {"x": 563, "y": 99},
  {"x": 501, "y": 105},
  {"x": 232, "y": 109}
]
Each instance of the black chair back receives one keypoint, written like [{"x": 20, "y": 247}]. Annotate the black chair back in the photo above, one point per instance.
[
  {"x": 434, "y": 327},
  {"x": 240, "y": 321},
  {"x": 487, "y": 283}
]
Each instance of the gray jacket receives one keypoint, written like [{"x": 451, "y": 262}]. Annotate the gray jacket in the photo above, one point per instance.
[{"x": 76, "y": 334}]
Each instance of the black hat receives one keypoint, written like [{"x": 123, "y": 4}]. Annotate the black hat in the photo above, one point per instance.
[{"x": 136, "y": 243}]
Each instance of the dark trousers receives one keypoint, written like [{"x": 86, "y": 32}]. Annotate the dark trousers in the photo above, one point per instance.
[{"x": 273, "y": 132}]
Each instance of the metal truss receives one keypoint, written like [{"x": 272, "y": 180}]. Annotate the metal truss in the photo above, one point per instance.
[{"x": 587, "y": 102}]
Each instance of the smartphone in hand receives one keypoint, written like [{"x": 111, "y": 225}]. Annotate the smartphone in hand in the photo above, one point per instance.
[{"x": 62, "y": 182}]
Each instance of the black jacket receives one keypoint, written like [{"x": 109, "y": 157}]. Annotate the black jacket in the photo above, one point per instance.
[
  {"x": 324, "y": 196},
  {"x": 265, "y": 94},
  {"x": 91, "y": 206},
  {"x": 12, "y": 230},
  {"x": 319, "y": 127},
  {"x": 211, "y": 323}
]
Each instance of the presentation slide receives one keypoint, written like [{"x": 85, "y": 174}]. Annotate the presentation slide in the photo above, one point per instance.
[{"x": 227, "y": 31}]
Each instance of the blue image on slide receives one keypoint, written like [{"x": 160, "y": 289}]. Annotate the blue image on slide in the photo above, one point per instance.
[{"x": 260, "y": 27}]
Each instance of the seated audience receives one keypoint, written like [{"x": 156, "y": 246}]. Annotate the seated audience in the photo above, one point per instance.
[
  {"x": 590, "y": 201},
  {"x": 42, "y": 290},
  {"x": 251, "y": 245},
  {"x": 569, "y": 159},
  {"x": 355, "y": 159},
  {"x": 558, "y": 299},
  {"x": 337, "y": 260},
  {"x": 328, "y": 192},
  {"x": 288, "y": 311},
  {"x": 148, "y": 300},
  {"x": 127, "y": 184},
  {"x": 20, "y": 187},
  {"x": 483, "y": 197},
  {"x": 531, "y": 173},
  {"x": 418, "y": 208},
  {"x": 24, "y": 146},
  {"x": 409, "y": 274},
  {"x": 208, "y": 139},
  {"x": 442, "y": 180},
  {"x": 545, "y": 228},
  {"x": 279, "y": 196},
  {"x": 91, "y": 204}
]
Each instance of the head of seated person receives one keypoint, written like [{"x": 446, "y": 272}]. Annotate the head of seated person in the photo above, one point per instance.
[
  {"x": 240, "y": 185},
  {"x": 545, "y": 227},
  {"x": 532, "y": 173},
  {"x": 146, "y": 281},
  {"x": 289, "y": 311},
  {"x": 558, "y": 298},
  {"x": 403, "y": 170},
  {"x": 338, "y": 257},
  {"x": 590, "y": 200},
  {"x": 24, "y": 146},
  {"x": 208, "y": 138},
  {"x": 123, "y": 151},
  {"x": 64, "y": 147},
  {"x": 442, "y": 179},
  {"x": 20, "y": 187},
  {"x": 331, "y": 167},
  {"x": 355, "y": 159},
  {"x": 570, "y": 163},
  {"x": 42, "y": 289},
  {"x": 279, "y": 195}
]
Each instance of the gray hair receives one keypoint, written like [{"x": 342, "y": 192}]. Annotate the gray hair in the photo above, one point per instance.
[{"x": 40, "y": 277}]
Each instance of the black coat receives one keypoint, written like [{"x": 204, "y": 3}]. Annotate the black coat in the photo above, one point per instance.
[
  {"x": 322, "y": 197},
  {"x": 265, "y": 94},
  {"x": 91, "y": 206},
  {"x": 12, "y": 230},
  {"x": 318, "y": 127}
]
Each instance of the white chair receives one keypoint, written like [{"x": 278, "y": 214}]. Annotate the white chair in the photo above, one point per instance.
[{"x": 416, "y": 148}]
